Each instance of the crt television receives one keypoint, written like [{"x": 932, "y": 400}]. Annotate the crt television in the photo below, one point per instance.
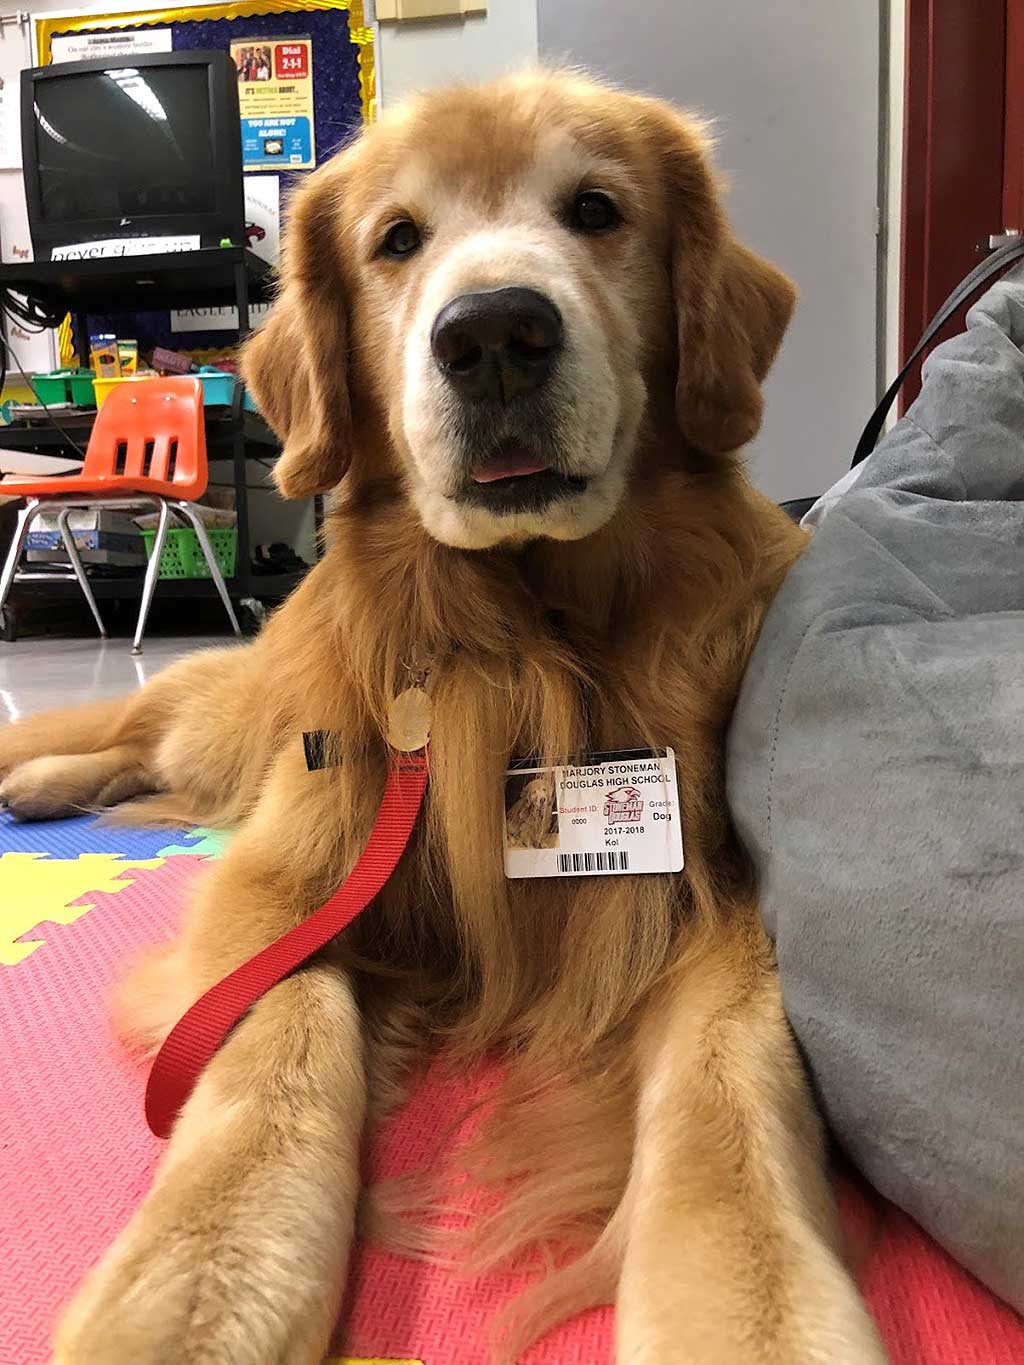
[{"x": 133, "y": 147}]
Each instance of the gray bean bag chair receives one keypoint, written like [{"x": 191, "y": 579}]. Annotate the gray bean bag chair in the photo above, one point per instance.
[{"x": 876, "y": 774}]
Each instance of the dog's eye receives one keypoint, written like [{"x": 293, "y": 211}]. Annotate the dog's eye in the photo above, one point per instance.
[
  {"x": 402, "y": 239},
  {"x": 593, "y": 212}
]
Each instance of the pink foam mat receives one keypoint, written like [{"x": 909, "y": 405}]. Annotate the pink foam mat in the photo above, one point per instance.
[{"x": 77, "y": 1158}]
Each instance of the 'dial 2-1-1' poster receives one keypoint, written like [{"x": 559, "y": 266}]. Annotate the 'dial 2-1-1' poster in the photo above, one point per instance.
[{"x": 275, "y": 97}]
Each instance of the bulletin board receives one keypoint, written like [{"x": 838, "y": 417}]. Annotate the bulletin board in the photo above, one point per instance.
[
  {"x": 343, "y": 83},
  {"x": 343, "y": 93}
]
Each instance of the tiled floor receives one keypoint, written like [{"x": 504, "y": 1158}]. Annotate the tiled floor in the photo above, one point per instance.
[{"x": 37, "y": 673}]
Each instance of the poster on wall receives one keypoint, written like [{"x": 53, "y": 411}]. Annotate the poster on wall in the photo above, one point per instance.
[
  {"x": 216, "y": 319},
  {"x": 29, "y": 351},
  {"x": 77, "y": 47},
  {"x": 15, "y": 54},
  {"x": 275, "y": 97},
  {"x": 10, "y": 124},
  {"x": 263, "y": 216},
  {"x": 263, "y": 237}
]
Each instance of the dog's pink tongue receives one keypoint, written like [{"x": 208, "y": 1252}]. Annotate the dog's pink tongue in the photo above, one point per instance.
[{"x": 510, "y": 467}]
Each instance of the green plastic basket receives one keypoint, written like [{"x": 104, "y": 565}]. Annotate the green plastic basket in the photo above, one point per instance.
[
  {"x": 65, "y": 386},
  {"x": 183, "y": 556}
]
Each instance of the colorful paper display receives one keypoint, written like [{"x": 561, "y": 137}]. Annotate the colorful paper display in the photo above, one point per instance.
[{"x": 275, "y": 97}]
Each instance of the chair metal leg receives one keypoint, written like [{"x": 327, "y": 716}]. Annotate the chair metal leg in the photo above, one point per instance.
[
  {"x": 14, "y": 553},
  {"x": 187, "y": 510},
  {"x": 79, "y": 568},
  {"x": 152, "y": 574}
]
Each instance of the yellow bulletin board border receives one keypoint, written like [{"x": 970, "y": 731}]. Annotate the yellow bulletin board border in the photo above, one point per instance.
[{"x": 359, "y": 33}]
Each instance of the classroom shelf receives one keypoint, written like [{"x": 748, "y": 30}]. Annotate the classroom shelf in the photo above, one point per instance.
[
  {"x": 212, "y": 277},
  {"x": 128, "y": 586},
  {"x": 41, "y": 437},
  {"x": 131, "y": 284}
]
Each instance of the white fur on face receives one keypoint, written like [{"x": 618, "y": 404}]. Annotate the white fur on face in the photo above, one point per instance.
[{"x": 595, "y": 398}]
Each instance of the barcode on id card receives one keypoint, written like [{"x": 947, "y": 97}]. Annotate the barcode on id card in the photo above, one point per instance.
[{"x": 593, "y": 862}]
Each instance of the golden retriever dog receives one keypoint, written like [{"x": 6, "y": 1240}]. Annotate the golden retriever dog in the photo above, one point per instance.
[
  {"x": 528, "y": 821},
  {"x": 517, "y": 341}
]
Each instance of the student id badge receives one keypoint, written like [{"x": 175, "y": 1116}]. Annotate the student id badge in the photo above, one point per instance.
[{"x": 612, "y": 813}]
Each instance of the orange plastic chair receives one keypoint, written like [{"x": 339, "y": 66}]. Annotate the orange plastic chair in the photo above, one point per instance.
[{"x": 148, "y": 445}]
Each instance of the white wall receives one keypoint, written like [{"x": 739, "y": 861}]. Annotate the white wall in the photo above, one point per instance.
[
  {"x": 894, "y": 189},
  {"x": 793, "y": 87},
  {"x": 436, "y": 52}
]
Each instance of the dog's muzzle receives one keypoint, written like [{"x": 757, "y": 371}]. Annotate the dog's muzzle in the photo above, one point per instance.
[{"x": 497, "y": 350}]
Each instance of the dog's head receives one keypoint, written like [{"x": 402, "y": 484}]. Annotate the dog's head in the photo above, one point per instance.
[{"x": 509, "y": 280}]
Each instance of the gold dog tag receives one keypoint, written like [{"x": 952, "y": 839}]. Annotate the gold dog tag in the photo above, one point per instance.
[{"x": 409, "y": 720}]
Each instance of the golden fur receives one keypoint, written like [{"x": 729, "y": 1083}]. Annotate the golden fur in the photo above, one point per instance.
[{"x": 655, "y": 1121}]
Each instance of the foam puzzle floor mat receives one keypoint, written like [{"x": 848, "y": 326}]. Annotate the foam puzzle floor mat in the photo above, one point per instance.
[{"x": 77, "y": 898}]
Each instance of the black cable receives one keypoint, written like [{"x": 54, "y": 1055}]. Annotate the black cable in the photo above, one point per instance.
[
  {"x": 52, "y": 419},
  {"x": 1005, "y": 255},
  {"x": 34, "y": 316},
  {"x": 32, "y": 312}
]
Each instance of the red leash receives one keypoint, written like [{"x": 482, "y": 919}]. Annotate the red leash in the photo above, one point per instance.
[{"x": 195, "y": 1038}]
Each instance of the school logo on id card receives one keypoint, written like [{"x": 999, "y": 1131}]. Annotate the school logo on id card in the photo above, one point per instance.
[{"x": 611, "y": 813}]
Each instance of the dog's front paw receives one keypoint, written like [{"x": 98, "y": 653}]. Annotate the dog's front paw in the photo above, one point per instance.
[{"x": 199, "y": 1288}]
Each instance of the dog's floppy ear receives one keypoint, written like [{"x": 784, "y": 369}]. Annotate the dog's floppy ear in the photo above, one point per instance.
[
  {"x": 296, "y": 363},
  {"x": 730, "y": 328},
  {"x": 732, "y": 307}
]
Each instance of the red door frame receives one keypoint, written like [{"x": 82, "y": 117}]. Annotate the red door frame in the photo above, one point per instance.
[
  {"x": 954, "y": 149},
  {"x": 1013, "y": 168}
]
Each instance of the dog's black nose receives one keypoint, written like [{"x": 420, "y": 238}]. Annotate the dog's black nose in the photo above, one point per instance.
[{"x": 494, "y": 345}]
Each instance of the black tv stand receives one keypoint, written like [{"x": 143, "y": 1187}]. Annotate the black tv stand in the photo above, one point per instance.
[{"x": 211, "y": 277}]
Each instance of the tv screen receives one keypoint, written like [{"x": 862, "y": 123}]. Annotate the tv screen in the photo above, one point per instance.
[
  {"x": 129, "y": 148},
  {"x": 124, "y": 143}
]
